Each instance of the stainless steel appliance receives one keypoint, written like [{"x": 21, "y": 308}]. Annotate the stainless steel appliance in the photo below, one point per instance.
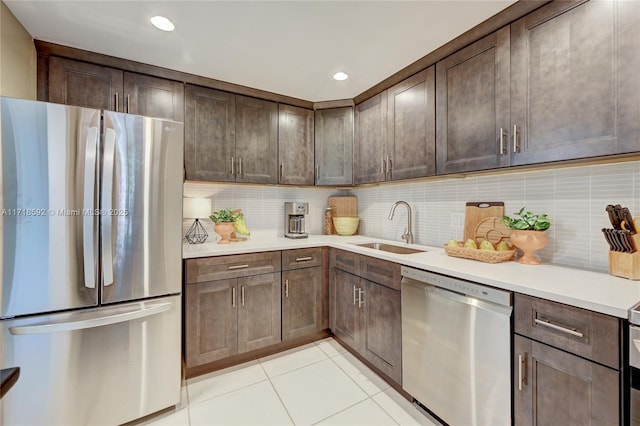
[
  {"x": 294, "y": 214},
  {"x": 456, "y": 348},
  {"x": 91, "y": 263},
  {"x": 634, "y": 366}
]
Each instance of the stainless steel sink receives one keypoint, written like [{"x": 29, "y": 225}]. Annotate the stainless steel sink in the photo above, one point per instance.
[{"x": 390, "y": 248}]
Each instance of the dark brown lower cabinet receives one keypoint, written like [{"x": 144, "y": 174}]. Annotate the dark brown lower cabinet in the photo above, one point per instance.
[
  {"x": 553, "y": 387},
  {"x": 366, "y": 316},
  {"x": 302, "y": 299},
  {"x": 232, "y": 316}
]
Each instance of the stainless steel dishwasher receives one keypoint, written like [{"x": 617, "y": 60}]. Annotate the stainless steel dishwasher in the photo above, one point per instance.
[{"x": 456, "y": 348}]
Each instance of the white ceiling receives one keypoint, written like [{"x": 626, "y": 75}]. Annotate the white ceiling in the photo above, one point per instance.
[{"x": 287, "y": 47}]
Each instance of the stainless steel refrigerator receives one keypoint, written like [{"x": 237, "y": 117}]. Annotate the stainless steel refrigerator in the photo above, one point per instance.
[{"x": 90, "y": 266}]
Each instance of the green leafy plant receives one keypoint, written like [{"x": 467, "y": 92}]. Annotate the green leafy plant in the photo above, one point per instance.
[
  {"x": 224, "y": 215},
  {"x": 527, "y": 221}
]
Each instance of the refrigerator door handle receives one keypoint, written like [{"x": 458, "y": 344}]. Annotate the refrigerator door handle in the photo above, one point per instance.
[
  {"x": 107, "y": 203},
  {"x": 97, "y": 320},
  {"x": 88, "y": 201}
]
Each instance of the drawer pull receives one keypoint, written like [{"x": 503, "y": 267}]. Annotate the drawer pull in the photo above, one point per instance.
[
  {"x": 571, "y": 331},
  {"x": 242, "y": 295},
  {"x": 360, "y": 301},
  {"x": 303, "y": 259},
  {"x": 354, "y": 295},
  {"x": 233, "y": 297},
  {"x": 238, "y": 267},
  {"x": 286, "y": 288}
]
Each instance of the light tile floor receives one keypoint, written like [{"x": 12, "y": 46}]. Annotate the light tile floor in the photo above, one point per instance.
[{"x": 319, "y": 383}]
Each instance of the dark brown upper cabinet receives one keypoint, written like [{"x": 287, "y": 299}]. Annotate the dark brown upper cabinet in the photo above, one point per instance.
[
  {"x": 83, "y": 84},
  {"x": 370, "y": 153},
  {"x": 334, "y": 146},
  {"x": 395, "y": 132},
  {"x": 230, "y": 138},
  {"x": 295, "y": 145},
  {"x": 472, "y": 113},
  {"x": 575, "y": 87},
  {"x": 209, "y": 134},
  {"x": 411, "y": 127}
]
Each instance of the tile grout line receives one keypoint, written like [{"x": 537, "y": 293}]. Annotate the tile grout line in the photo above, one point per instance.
[{"x": 277, "y": 394}]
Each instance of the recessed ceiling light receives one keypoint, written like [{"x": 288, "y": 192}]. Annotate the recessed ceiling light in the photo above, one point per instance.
[
  {"x": 162, "y": 23},
  {"x": 340, "y": 76}
]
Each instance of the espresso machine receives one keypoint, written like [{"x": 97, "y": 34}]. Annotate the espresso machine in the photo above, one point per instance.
[{"x": 294, "y": 219}]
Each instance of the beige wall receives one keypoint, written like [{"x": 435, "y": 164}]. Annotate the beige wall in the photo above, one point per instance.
[{"x": 17, "y": 58}]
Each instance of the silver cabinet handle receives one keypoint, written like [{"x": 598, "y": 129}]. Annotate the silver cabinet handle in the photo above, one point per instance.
[
  {"x": 571, "y": 331},
  {"x": 242, "y": 295},
  {"x": 233, "y": 297},
  {"x": 88, "y": 203},
  {"x": 515, "y": 138},
  {"x": 360, "y": 301},
  {"x": 232, "y": 168},
  {"x": 281, "y": 170},
  {"x": 383, "y": 167},
  {"x": 286, "y": 288},
  {"x": 303, "y": 259},
  {"x": 115, "y": 107},
  {"x": 354, "y": 295},
  {"x": 522, "y": 378},
  {"x": 389, "y": 166},
  {"x": 317, "y": 171},
  {"x": 502, "y": 151},
  {"x": 108, "y": 165},
  {"x": 239, "y": 166},
  {"x": 232, "y": 267},
  {"x": 127, "y": 98}
]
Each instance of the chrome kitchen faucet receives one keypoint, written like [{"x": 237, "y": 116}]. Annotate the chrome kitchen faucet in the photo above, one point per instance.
[{"x": 407, "y": 236}]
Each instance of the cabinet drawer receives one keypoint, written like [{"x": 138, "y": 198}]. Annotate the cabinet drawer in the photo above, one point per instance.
[
  {"x": 346, "y": 261},
  {"x": 381, "y": 272},
  {"x": 589, "y": 334},
  {"x": 301, "y": 258},
  {"x": 224, "y": 267}
]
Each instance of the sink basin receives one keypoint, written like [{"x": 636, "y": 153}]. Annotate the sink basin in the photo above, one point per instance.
[{"x": 391, "y": 248}]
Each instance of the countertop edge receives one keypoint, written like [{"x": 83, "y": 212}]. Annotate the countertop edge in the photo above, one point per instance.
[{"x": 594, "y": 291}]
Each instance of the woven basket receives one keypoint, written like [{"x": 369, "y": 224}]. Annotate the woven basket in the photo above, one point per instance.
[{"x": 488, "y": 256}]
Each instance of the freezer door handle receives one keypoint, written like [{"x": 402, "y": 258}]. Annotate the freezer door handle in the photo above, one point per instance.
[
  {"x": 88, "y": 201},
  {"x": 92, "y": 321},
  {"x": 107, "y": 203}
]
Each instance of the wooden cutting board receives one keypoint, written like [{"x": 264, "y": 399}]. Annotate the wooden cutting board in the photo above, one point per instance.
[
  {"x": 344, "y": 206},
  {"x": 476, "y": 212}
]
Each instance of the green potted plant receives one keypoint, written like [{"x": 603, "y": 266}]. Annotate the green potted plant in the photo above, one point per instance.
[
  {"x": 224, "y": 224},
  {"x": 528, "y": 233}
]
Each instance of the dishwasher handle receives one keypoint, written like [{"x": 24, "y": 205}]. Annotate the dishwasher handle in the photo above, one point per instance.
[{"x": 461, "y": 298}]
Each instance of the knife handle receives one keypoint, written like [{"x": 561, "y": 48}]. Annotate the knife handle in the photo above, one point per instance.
[
  {"x": 613, "y": 217},
  {"x": 628, "y": 220}
]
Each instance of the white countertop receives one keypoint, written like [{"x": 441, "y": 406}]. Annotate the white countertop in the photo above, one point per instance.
[{"x": 595, "y": 291}]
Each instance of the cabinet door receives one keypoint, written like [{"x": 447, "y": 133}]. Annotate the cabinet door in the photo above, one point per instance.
[
  {"x": 295, "y": 145},
  {"x": 344, "y": 311},
  {"x": 383, "y": 329},
  {"x": 553, "y": 387},
  {"x": 371, "y": 140},
  {"x": 472, "y": 106},
  {"x": 575, "y": 87},
  {"x": 209, "y": 134},
  {"x": 211, "y": 327},
  {"x": 256, "y": 140},
  {"x": 258, "y": 312},
  {"x": 153, "y": 96},
  {"x": 412, "y": 127},
  {"x": 84, "y": 85},
  {"x": 301, "y": 302},
  {"x": 334, "y": 146}
]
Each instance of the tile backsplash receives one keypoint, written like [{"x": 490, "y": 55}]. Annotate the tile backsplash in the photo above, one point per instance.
[{"x": 573, "y": 197}]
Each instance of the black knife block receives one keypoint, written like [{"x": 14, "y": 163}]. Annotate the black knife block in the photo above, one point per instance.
[{"x": 626, "y": 265}]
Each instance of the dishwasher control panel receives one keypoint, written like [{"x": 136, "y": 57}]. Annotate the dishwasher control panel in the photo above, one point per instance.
[{"x": 456, "y": 285}]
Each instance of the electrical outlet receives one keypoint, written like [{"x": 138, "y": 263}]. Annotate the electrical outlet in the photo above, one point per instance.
[{"x": 457, "y": 220}]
